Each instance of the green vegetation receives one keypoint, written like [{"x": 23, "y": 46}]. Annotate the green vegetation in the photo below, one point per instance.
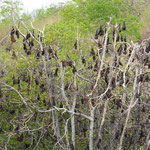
[{"x": 67, "y": 81}]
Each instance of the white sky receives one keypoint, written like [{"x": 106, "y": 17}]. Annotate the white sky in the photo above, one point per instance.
[{"x": 30, "y": 5}]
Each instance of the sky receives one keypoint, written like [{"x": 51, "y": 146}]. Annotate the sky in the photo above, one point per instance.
[{"x": 30, "y": 5}]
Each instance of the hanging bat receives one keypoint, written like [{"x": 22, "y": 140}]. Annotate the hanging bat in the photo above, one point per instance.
[
  {"x": 119, "y": 27},
  {"x": 20, "y": 138},
  {"x": 24, "y": 47},
  {"x": 119, "y": 51},
  {"x": 44, "y": 102},
  {"x": 92, "y": 52},
  {"x": 38, "y": 97},
  {"x": 43, "y": 52},
  {"x": 75, "y": 45},
  {"x": 14, "y": 80},
  {"x": 122, "y": 38},
  {"x": 118, "y": 38},
  {"x": 96, "y": 35},
  {"x": 124, "y": 26},
  {"x": 83, "y": 61},
  {"x": 28, "y": 36},
  {"x": 56, "y": 72},
  {"x": 13, "y": 38},
  {"x": 101, "y": 31},
  {"x": 1, "y": 94},
  {"x": 74, "y": 70},
  {"x": 17, "y": 33}
]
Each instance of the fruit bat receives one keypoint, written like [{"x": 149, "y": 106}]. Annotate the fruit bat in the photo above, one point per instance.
[
  {"x": 31, "y": 43},
  {"x": 147, "y": 50},
  {"x": 28, "y": 36},
  {"x": 100, "y": 45},
  {"x": 113, "y": 83},
  {"x": 92, "y": 52},
  {"x": 28, "y": 79},
  {"x": 74, "y": 70},
  {"x": 83, "y": 60},
  {"x": 50, "y": 50},
  {"x": 125, "y": 49},
  {"x": 119, "y": 27},
  {"x": 12, "y": 31},
  {"x": 68, "y": 61},
  {"x": 44, "y": 102},
  {"x": 20, "y": 138},
  {"x": 94, "y": 58},
  {"x": 82, "y": 100},
  {"x": 64, "y": 63},
  {"x": 66, "y": 87},
  {"x": 108, "y": 41},
  {"x": 28, "y": 52},
  {"x": 96, "y": 35},
  {"x": 106, "y": 79},
  {"x": 36, "y": 81},
  {"x": 55, "y": 55},
  {"x": 146, "y": 78},
  {"x": 38, "y": 55},
  {"x": 18, "y": 80},
  {"x": 13, "y": 38},
  {"x": 56, "y": 72},
  {"x": 14, "y": 80},
  {"x": 101, "y": 31},
  {"x": 124, "y": 26},
  {"x": 24, "y": 47},
  {"x": 12, "y": 111},
  {"x": 43, "y": 52},
  {"x": 17, "y": 33},
  {"x": 72, "y": 147},
  {"x": 75, "y": 45},
  {"x": 38, "y": 97},
  {"x": 114, "y": 31},
  {"x": 120, "y": 63},
  {"x": 42, "y": 86},
  {"x": 41, "y": 39},
  {"x": 119, "y": 51},
  {"x": 61, "y": 105},
  {"x": 26, "y": 145},
  {"x": 122, "y": 38},
  {"x": 33, "y": 33},
  {"x": 96, "y": 66},
  {"x": 14, "y": 54},
  {"x": 1, "y": 94},
  {"x": 17, "y": 128},
  {"x": 118, "y": 38},
  {"x": 125, "y": 39}
]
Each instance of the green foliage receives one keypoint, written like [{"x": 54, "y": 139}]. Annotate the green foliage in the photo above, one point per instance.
[
  {"x": 91, "y": 13},
  {"x": 9, "y": 9},
  {"x": 78, "y": 21}
]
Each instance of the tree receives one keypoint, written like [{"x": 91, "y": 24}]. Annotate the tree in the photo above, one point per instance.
[
  {"x": 7, "y": 8},
  {"x": 69, "y": 88}
]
